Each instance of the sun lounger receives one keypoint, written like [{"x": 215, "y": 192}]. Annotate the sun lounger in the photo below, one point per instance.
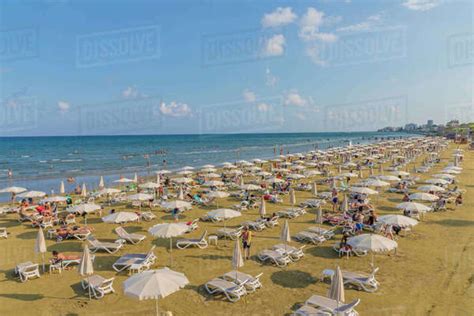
[
  {"x": 342, "y": 252},
  {"x": 326, "y": 233},
  {"x": 270, "y": 223},
  {"x": 63, "y": 264},
  {"x": 98, "y": 285},
  {"x": 251, "y": 283},
  {"x": 255, "y": 225},
  {"x": 214, "y": 219},
  {"x": 274, "y": 257},
  {"x": 307, "y": 310},
  {"x": 147, "y": 216},
  {"x": 200, "y": 242},
  {"x": 110, "y": 247},
  {"x": 232, "y": 291},
  {"x": 231, "y": 233},
  {"x": 3, "y": 232},
  {"x": 192, "y": 226},
  {"x": 131, "y": 238},
  {"x": 366, "y": 282},
  {"x": 294, "y": 253},
  {"x": 313, "y": 238},
  {"x": 27, "y": 270},
  {"x": 332, "y": 306},
  {"x": 140, "y": 260}
]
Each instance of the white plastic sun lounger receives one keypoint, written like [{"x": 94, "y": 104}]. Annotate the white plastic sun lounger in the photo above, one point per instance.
[
  {"x": 326, "y": 233},
  {"x": 231, "y": 233},
  {"x": 3, "y": 232},
  {"x": 232, "y": 291},
  {"x": 110, "y": 247},
  {"x": 252, "y": 283},
  {"x": 99, "y": 285},
  {"x": 307, "y": 310},
  {"x": 200, "y": 242},
  {"x": 274, "y": 257},
  {"x": 59, "y": 266},
  {"x": 332, "y": 306},
  {"x": 362, "y": 281},
  {"x": 294, "y": 252},
  {"x": 130, "y": 237},
  {"x": 139, "y": 261},
  {"x": 313, "y": 238},
  {"x": 27, "y": 270},
  {"x": 255, "y": 225}
]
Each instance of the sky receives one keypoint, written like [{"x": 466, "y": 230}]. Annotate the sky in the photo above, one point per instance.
[{"x": 205, "y": 66}]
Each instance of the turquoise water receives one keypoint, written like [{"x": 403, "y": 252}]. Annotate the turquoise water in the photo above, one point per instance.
[{"x": 40, "y": 163}]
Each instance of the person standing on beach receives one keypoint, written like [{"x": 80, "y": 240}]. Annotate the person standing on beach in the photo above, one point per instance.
[
  {"x": 246, "y": 242},
  {"x": 10, "y": 173}
]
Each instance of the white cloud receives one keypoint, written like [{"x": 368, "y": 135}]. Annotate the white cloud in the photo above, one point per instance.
[
  {"x": 301, "y": 116},
  {"x": 279, "y": 17},
  {"x": 313, "y": 52},
  {"x": 132, "y": 92},
  {"x": 263, "y": 107},
  {"x": 270, "y": 79},
  {"x": 275, "y": 45},
  {"x": 249, "y": 96},
  {"x": 371, "y": 22},
  {"x": 421, "y": 5},
  {"x": 295, "y": 99},
  {"x": 310, "y": 25},
  {"x": 175, "y": 109},
  {"x": 63, "y": 106}
]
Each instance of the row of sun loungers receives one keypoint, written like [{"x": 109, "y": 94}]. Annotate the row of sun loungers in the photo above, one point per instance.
[{"x": 320, "y": 305}]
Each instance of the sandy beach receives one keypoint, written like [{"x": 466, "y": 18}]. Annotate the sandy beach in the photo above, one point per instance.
[{"x": 431, "y": 273}]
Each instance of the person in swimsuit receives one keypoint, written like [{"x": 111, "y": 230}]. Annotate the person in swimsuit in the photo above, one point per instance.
[{"x": 246, "y": 242}]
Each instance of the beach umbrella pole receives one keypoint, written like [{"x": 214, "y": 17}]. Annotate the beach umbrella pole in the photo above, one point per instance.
[
  {"x": 42, "y": 260},
  {"x": 156, "y": 307},
  {"x": 89, "y": 287}
]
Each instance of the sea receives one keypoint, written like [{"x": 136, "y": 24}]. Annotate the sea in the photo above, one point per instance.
[{"x": 41, "y": 163}]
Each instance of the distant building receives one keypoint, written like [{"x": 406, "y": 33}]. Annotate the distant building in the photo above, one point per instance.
[
  {"x": 430, "y": 123},
  {"x": 411, "y": 127},
  {"x": 453, "y": 124}
]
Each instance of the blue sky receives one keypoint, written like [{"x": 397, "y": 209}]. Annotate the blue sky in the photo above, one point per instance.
[{"x": 231, "y": 66}]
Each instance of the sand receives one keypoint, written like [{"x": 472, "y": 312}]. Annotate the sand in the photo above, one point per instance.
[{"x": 431, "y": 274}]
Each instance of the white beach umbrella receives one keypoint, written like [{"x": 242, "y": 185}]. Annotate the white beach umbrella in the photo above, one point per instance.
[
  {"x": 314, "y": 189},
  {"x": 388, "y": 178},
  {"x": 40, "y": 245},
  {"x": 401, "y": 173},
  {"x": 348, "y": 175},
  {"x": 437, "y": 181},
  {"x": 140, "y": 197},
  {"x": 187, "y": 168},
  {"x": 444, "y": 176},
  {"x": 120, "y": 217},
  {"x": 319, "y": 215},
  {"x": 363, "y": 190},
  {"x": 336, "y": 291},
  {"x": 56, "y": 199},
  {"x": 292, "y": 197},
  {"x": 218, "y": 194},
  {"x": 32, "y": 194},
  {"x": 154, "y": 284},
  {"x": 213, "y": 183},
  {"x": 124, "y": 180},
  {"x": 135, "y": 178},
  {"x": 208, "y": 166},
  {"x": 376, "y": 183},
  {"x": 163, "y": 171},
  {"x": 274, "y": 180},
  {"x": 185, "y": 172},
  {"x": 84, "y": 208},
  {"x": 451, "y": 171},
  {"x": 158, "y": 180},
  {"x": 212, "y": 175},
  {"x": 237, "y": 260},
  {"x": 285, "y": 233},
  {"x": 101, "y": 182},
  {"x": 84, "y": 190},
  {"x": 224, "y": 213},
  {"x": 85, "y": 265},
  {"x": 250, "y": 187},
  {"x": 311, "y": 173},
  {"x": 263, "y": 174},
  {"x": 423, "y": 197},
  {"x": 372, "y": 243},
  {"x": 15, "y": 190},
  {"x": 180, "y": 193},
  {"x": 182, "y": 180},
  {"x": 295, "y": 176},
  {"x": 181, "y": 205},
  {"x": 413, "y": 206},
  {"x": 168, "y": 230},
  {"x": 62, "y": 190},
  {"x": 400, "y": 220},
  {"x": 263, "y": 209},
  {"x": 431, "y": 188}
]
